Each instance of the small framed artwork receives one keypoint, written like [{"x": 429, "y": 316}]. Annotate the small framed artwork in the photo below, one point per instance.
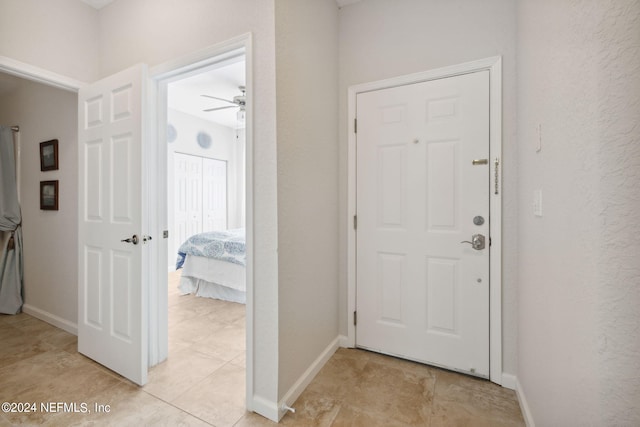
[
  {"x": 49, "y": 195},
  {"x": 49, "y": 155}
]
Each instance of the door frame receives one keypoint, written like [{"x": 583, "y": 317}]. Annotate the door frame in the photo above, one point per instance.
[
  {"x": 494, "y": 66},
  {"x": 155, "y": 166},
  {"x": 159, "y": 77}
]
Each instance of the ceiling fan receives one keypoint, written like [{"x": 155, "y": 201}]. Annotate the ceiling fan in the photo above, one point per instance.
[{"x": 238, "y": 101}]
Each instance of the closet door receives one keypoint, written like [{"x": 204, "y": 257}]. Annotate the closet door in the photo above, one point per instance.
[
  {"x": 188, "y": 196},
  {"x": 214, "y": 194}
]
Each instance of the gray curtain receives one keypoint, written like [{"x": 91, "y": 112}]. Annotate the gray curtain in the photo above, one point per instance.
[{"x": 11, "y": 267}]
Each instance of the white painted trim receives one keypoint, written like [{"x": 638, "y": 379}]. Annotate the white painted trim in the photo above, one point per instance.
[
  {"x": 52, "y": 319},
  {"x": 265, "y": 407},
  {"x": 343, "y": 341},
  {"x": 202, "y": 58},
  {"x": 40, "y": 75},
  {"x": 305, "y": 379},
  {"x": 155, "y": 220},
  {"x": 162, "y": 74},
  {"x": 495, "y": 207},
  {"x": 524, "y": 405},
  {"x": 494, "y": 65},
  {"x": 509, "y": 381}
]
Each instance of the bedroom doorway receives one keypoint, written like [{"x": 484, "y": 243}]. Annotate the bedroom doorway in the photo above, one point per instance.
[{"x": 202, "y": 126}]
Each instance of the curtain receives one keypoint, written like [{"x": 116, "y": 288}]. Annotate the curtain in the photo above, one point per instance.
[{"x": 11, "y": 263}]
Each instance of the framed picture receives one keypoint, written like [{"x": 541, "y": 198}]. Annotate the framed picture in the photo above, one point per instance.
[
  {"x": 49, "y": 155},
  {"x": 49, "y": 195}
]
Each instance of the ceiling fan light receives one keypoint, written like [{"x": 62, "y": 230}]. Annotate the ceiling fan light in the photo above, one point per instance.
[{"x": 241, "y": 115}]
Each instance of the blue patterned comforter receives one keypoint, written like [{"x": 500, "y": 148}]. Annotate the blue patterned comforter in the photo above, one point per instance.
[{"x": 223, "y": 245}]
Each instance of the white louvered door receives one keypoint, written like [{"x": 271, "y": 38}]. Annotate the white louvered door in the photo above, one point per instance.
[{"x": 421, "y": 293}]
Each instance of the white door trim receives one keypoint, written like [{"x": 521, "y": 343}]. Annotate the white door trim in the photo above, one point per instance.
[
  {"x": 160, "y": 76},
  {"x": 39, "y": 75},
  {"x": 494, "y": 65}
]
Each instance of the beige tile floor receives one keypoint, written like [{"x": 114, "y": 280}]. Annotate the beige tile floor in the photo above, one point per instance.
[{"x": 202, "y": 383}]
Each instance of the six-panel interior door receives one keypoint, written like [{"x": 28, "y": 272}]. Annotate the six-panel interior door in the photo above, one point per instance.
[
  {"x": 112, "y": 295},
  {"x": 187, "y": 198},
  {"x": 214, "y": 194},
  {"x": 421, "y": 293}
]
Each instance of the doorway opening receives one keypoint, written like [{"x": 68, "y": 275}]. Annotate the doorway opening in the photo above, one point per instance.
[{"x": 203, "y": 116}]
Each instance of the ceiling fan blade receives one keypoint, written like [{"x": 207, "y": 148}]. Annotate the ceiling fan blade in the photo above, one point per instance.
[
  {"x": 219, "y": 99},
  {"x": 219, "y": 108}
]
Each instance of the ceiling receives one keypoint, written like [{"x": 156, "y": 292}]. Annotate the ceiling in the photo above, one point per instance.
[{"x": 186, "y": 95}]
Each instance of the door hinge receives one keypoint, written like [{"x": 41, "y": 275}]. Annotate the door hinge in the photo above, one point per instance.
[
  {"x": 355, "y": 318},
  {"x": 355, "y": 125},
  {"x": 496, "y": 179},
  {"x": 355, "y": 222}
]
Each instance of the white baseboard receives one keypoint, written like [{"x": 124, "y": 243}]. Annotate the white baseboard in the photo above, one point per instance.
[
  {"x": 524, "y": 406},
  {"x": 343, "y": 341},
  {"x": 305, "y": 379},
  {"x": 52, "y": 319},
  {"x": 509, "y": 381},
  {"x": 266, "y": 408}
]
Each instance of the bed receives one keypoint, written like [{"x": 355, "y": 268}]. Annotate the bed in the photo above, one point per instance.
[{"x": 214, "y": 265}]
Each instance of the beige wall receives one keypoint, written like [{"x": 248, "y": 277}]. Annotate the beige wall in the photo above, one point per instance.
[
  {"x": 307, "y": 87},
  {"x": 381, "y": 39},
  {"x": 50, "y": 237},
  {"x": 579, "y": 264},
  {"x": 60, "y": 36}
]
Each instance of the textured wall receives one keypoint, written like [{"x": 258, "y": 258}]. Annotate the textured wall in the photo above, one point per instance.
[
  {"x": 579, "y": 274},
  {"x": 381, "y": 39},
  {"x": 307, "y": 82}
]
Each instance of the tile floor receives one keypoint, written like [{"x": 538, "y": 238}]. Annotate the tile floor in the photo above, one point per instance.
[{"x": 202, "y": 383}]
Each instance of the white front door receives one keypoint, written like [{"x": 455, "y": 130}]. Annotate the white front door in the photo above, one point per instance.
[
  {"x": 112, "y": 292},
  {"x": 423, "y": 188}
]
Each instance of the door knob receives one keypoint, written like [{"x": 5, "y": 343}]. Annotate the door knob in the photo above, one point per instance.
[
  {"x": 477, "y": 242},
  {"x": 133, "y": 239}
]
